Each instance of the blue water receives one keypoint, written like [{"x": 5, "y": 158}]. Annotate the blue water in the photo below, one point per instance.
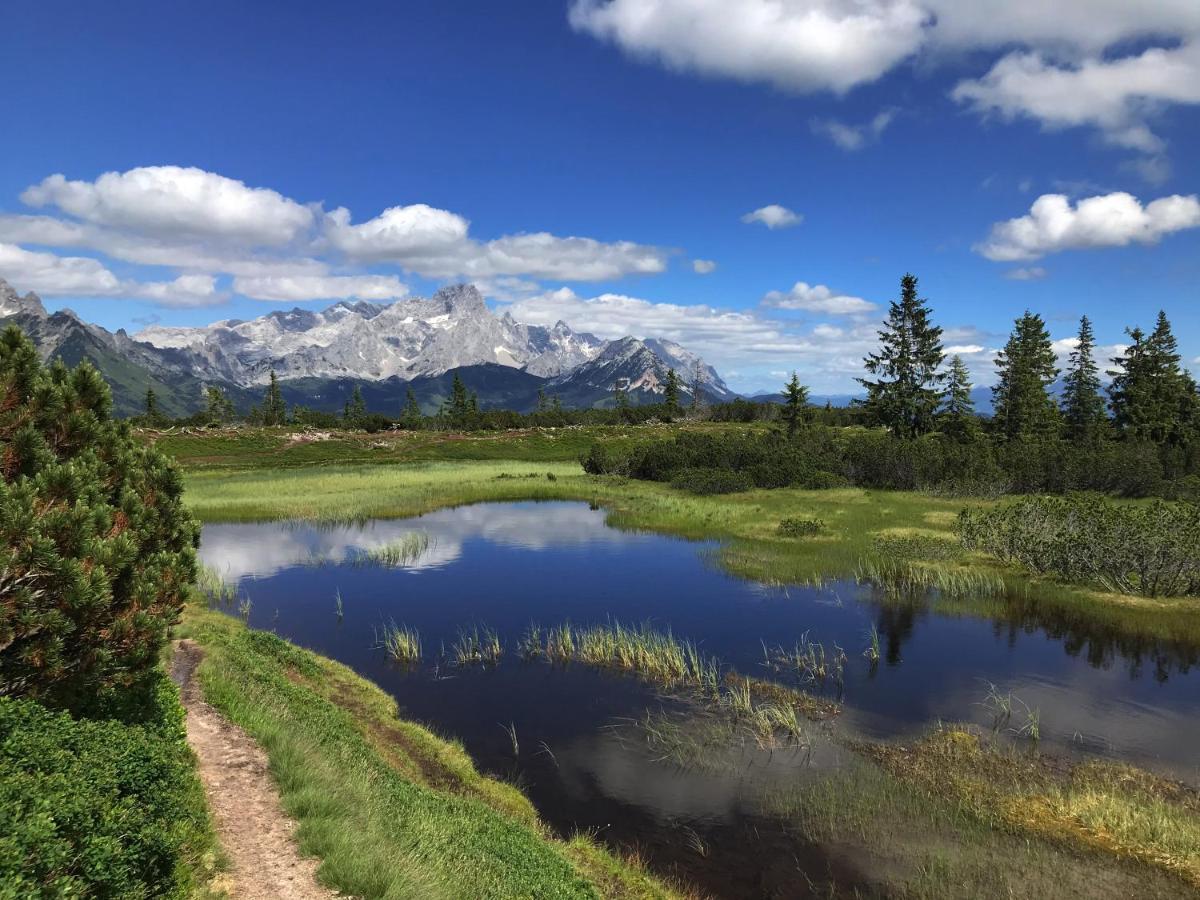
[{"x": 509, "y": 564}]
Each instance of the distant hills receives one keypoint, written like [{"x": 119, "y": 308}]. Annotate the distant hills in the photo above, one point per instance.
[{"x": 384, "y": 350}]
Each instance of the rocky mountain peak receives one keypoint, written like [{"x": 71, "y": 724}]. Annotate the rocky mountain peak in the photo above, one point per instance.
[
  {"x": 12, "y": 303},
  {"x": 462, "y": 299}
]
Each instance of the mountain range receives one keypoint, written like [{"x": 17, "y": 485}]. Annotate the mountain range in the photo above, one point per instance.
[{"x": 320, "y": 357}]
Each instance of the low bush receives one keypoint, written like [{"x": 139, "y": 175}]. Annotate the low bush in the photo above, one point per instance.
[
  {"x": 711, "y": 481},
  {"x": 1151, "y": 549},
  {"x": 800, "y": 527},
  {"x": 98, "y": 807}
]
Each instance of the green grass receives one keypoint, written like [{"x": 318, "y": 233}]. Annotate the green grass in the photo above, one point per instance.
[
  {"x": 391, "y": 809},
  {"x": 401, "y": 643}
]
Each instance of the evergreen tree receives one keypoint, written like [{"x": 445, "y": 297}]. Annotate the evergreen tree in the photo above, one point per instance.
[
  {"x": 473, "y": 406},
  {"x": 458, "y": 403},
  {"x": 541, "y": 400},
  {"x": 904, "y": 394},
  {"x": 671, "y": 392},
  {"x": 795, "y": 404},
  {"x": 958, "y": 409},
  {"x": 1082, "y": 406},
  {"x": 412, "y": 411},
  {"x": 274, "y": 410},
  {"x": 97, "y": 550},
  {"x": 1152, "y": 397},
  {"x": 218, "y": 409},
  {"x": 355, "y": 409},
  {"x": 153, "y": 415},
  {"x": 1023, "y": 405},
  {"x": 621, "y": 395},
  {"x": 697, "y": 387}
]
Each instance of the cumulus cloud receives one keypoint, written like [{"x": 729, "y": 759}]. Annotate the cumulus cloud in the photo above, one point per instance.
[
  {"x": 175, "y": 200},
  {"x": 79, "y": 276},
  {"x": 773, "y": 216},
  {"x": 854, "y": 137},
  {"x": 49, "y": 274},
  {"x": 703, "y": 266},
  {"x": 1026, "y": 273},
  {"x": 817, "y": 298},
  {"x": 276, "y": 248},
  {"x": 299, "y": 288},
  {"x": 799, "y": 45},
  {"x": 1114, "y": 95},
  {"x": 1110, "y": 220},
  {"x": 1061, "y": 71}
]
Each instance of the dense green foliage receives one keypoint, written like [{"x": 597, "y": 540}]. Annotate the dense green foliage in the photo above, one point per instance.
[
  {"x": 1151, "y": 549},
  {"x": 96, "y": 549},
  {"x": 1082, "y": 405},
  {"x": 99, "y": 807},
  {"x": 1024, "y": 408},
  {"x": 904, "y": 393}
]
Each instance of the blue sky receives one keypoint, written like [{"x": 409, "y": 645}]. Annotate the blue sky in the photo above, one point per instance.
[{"x": 577, "y": 159}]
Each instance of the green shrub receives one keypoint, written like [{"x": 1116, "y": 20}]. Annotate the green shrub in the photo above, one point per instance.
[
  {"x": 800, "y": 527},
  {"x": 916, "y": 546},
  {"x": 1151, "y": 549},
  {"x": 96, "y": 549},
  {"x": 99, "y": 808},
  {"x": 711, "y": 481}
]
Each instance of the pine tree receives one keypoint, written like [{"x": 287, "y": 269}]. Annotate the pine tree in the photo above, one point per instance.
[
  {"x": 621, "y": 395},
  {"x": 541, "y": 400},
  {"x": 412, "y": 411},
  {"x": 1082, "y": 405},
  {"x": 795, "y": 404},
  {"x": 355, "y": 409},
  {"x": 671, "y": 392},
  {"x": 96, "y": 546},
  {"x": 958, "y": 409},
  {"x": 274, "y": 410},
  {"x": 905, "y": 393},
  {"x": 1024, "y": 407},
  {"x": 1152, "y": 397}
]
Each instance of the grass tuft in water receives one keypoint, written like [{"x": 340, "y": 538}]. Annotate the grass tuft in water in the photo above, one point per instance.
[
  {"x": 477, "y": 645},
  {"x": 401, "y": 643},
  {"x": 401, "y": 552}
]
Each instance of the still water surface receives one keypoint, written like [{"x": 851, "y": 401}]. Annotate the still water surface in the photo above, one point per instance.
[{"x": 509, "y": 564}]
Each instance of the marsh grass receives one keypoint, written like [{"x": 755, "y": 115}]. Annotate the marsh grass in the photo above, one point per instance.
[
  {"x": 403, "y": 551},
  {"x": 809, "y": 660},
  {"x": 401, "y": 643},
  {"x": 217, "y": 592},
  {"x": 477, "y": 645}
]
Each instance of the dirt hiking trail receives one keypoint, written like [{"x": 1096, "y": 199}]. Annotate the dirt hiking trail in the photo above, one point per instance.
[{"x": 253, "y": 830}]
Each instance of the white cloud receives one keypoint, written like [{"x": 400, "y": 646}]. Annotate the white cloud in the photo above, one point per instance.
[
  {"x": 854, "y": 137},
  {"x": 1026, "y": 273},
  {"x": 175, "y": 200},
  {"x": 186, "y": 291},
  {"x": 703, "y": 266},
  {"x": 397, "y": 233},
  {"x": 773, "y": 216},
  {"x": 79, "y": 276},
  {"x": 1110, "y": 220},
  {"x": 818, "y": 298},
  {"x": 1114, "y": 95},
  {"x": 1056, "y": 68},
  {"x": 46, "y": 273},
  {"x": 296, "y": 289},
  {"x": 799, "y": 45}
]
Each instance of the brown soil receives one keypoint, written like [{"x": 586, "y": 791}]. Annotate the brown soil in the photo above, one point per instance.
[{"x": 256, "y": 836}]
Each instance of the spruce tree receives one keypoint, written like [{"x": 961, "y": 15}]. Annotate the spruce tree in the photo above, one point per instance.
[
  {"x": 97, "y": 550},
  {"x": 274, "y": 410},
  {"x": 1152, "y": 397},
  {"x": 355, "y": 409},
  {"x": 412, "y": 411},
  {"x": 217, "y": 409},
  {"x": 459, "y": 403},
  {"x": 958, "y": 409},
  {"x": 1024, "y": 407},
  {"x": 621, "y": 395},
  {"x": 671, "y": 392},
  {"x": 795, "y": 404},
  {"x": 697, "y": 387},
  {"x": 153, "y": 415},
  {"x": 905, "y": 393},
  {"x": 1082, "y": 405}
]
